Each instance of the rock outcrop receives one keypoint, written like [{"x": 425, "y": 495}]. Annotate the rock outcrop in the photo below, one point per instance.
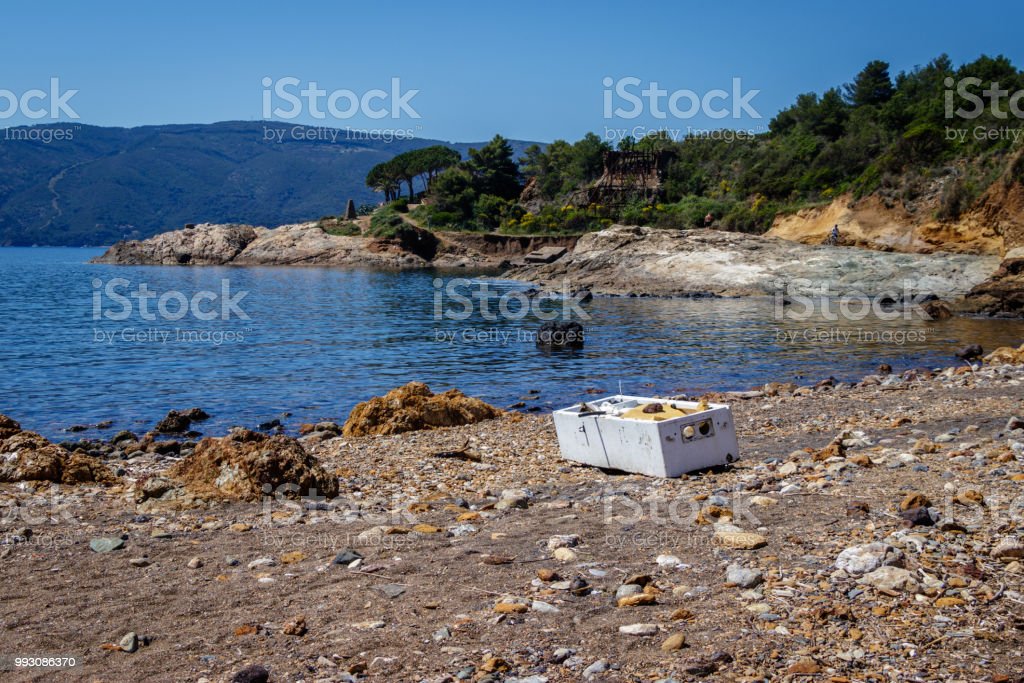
[
  {"x": 200, "y": 245},
  {"x": 238, "y": 466},
  {"x": 27, "y": 456},
  {"x": 1003, "y": 293},
  {"x": 307, "y": 244},
  {"x": 414, "y": 407},
  {"x": 641, "y": 260}
]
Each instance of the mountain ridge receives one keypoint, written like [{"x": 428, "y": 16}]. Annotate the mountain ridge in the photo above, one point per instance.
[{"x": 106, "y": 184}]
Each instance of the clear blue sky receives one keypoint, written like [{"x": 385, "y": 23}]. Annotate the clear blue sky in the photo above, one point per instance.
[{"x": 529, "y": 70}]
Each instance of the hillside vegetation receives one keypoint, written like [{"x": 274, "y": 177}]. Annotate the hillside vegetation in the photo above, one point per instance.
[{"x": 881, "y": 135}]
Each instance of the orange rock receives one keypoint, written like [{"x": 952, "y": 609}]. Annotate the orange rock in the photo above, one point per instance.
[{"x": 915, "y": 500}]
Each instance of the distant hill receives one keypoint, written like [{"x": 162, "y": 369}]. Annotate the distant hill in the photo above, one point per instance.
[{"x": 108, "y": 184}]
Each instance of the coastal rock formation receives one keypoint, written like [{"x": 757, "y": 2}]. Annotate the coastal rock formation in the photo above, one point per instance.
[
  {"x": 628, "y": 259},
  {"x": 240, "y": 464},
  {"x": 1003, "y": 293},
  {"x": 415, "y": 407},
  {"x": 27, "y": 456},
  {"x": 307, "y": 244},
  {"x": 199, "y": 245}
]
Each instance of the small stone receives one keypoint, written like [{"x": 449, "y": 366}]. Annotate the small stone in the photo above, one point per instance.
[
  {"x": 295, "y": 627},
  {"x": 681, "y": 614},
  {"x": 347, "y": 557},
  {"x": 949, "y": 602},
  {"x": 600, "y": 666},
  {"x": 106, "y": 545},
  {"x": 390, "y": 590},
  {"x": 262, "y": 562},
  {"x": 744, "y": 578},
  {"x": 673, "y": 642},
  {"x": 970, "y": 497},
  {"x": 129, "y": 642},
  {"x": 1008, "y": 549},
  {"x": 890, "y": 580},
  {"x": 254, "y": 673},
  {"x": 563, "y": 541},
  {"x": 804, "y": 667},
  {"x": 628, "y": 589},
  {"x": 638, "y": 630},
  {"x": 861, "y": 559},
  {"x": 547, "y": 575},
  {"x": 668, "y": 561},
  {"x": 442, "y": 634},
  {"x": 740, "y": 540},
  {"x": 915, "y": 500},
  {"x": 543, "y": 607},
  {"x": 511, "y": 608},
  {"x": 427, "y": 529},
  {"x": 139, "y": 562},
  {"x": 636, "y": 600},
  {"x": 565, "y": 555},
  {"x": 293, "y": 557},
  {"x": 239, "y": 527},
  {"x": 762, "y": 501}
]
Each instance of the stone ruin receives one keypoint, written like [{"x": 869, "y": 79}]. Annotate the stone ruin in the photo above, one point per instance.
[{"x": 627, "y": 176}]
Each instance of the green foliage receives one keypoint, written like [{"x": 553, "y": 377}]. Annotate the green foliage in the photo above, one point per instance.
[
  {"x": 873, "y": 86},
  {"x": 564, "y": 220},
  {"x": 423, "y": 164},
  {"x": 494, "y": 170},
  {"x": 561, "y": 167},
  {"x": 386, "y": 222}
]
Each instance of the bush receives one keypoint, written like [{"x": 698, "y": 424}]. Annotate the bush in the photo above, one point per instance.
[{"x": 385, "y": 222}]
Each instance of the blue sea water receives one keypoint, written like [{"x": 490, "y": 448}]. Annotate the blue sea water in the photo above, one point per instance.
[{"x": 312, "y": 342}]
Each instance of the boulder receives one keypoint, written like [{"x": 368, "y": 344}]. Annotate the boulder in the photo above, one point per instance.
[
  {"x": 240, "y": 464},
  {"x": 27, "y": 456},
  {"x": 414, "y": 407},
  {"x": 204, "y": 244},
  {"x": 560, "y": 335},
  {"x": 1006, "y": 355}
]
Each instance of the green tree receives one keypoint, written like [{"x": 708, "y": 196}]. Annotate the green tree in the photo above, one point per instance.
[
  {"x": 872, "y": 86},
  {"x": 493, "y": 169}
]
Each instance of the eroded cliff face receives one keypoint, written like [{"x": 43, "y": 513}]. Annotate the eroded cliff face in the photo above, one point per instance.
[{"x": 640, "y": 260}]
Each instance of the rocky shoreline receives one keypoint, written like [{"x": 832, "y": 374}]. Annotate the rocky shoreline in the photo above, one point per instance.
[
  {"x": 871, "y": 531},
  {"x": 307, "y": 244},
  {"x": 621, "y": 260}
]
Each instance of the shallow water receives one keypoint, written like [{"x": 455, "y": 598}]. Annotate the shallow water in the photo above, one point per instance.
[{"x": 318, "y": 340}]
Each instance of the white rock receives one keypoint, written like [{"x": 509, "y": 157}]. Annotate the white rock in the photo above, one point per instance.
[
  {"x": 639, "y": 629},
  {"x": 862, "y": 559}
]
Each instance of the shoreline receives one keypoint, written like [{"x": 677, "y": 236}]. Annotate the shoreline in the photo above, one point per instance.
[{"x": 446, "y": 542}]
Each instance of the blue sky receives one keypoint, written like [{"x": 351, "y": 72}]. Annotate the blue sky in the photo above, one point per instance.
[{"x": 529, "y": 70}]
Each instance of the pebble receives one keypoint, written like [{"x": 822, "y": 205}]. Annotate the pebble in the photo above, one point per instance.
[
  {"x": 106, "y": 545},
  {"x": 563, "y": 541},
  {"x": 600, "y": 666},
  {"x": 347, "y": 557},
  {"x": 890, "y": 579},
  {"x": 740, "y": 540},
  {"x": 639, "y": 629},
  {"x": 262, "y": 562},
  {"x": 195, "y": 563},
  {"x": 1008, "y": 549},
  {"x": 861, "y": 559},
  {"x": 139, "y": 562},
  {"x": 129, "y": 642},
  {"x": 565, "y": 555},
  {"x": 674, "y": 642},
  {"x": 668, "y": 561},
  {"x": 742, "y": 577},
  {"x": 254, "y": 673}
]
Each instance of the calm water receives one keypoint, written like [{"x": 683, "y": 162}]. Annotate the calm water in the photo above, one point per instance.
[{"x": 319, "y": 340}]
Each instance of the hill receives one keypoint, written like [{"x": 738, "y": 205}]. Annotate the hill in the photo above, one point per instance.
[{"x": 107, "y": 184}]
